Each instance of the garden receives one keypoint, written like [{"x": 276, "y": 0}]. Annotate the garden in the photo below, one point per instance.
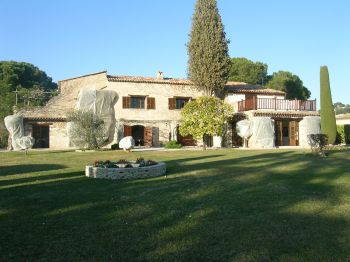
[{"x": 218, "y": 205}]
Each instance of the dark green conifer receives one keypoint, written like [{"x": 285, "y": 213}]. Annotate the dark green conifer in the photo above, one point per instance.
[
  {"x": 328, "y": 123},
  {"x": 209, "y": 61}
]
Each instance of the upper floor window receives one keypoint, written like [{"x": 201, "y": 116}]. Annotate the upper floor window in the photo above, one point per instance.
[
  {"x": 139, "y": 102},
  {"x": 178, "y": 102}
]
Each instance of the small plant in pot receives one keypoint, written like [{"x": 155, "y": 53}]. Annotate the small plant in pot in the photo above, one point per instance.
[
  {"x": 141, "y": 162},
  {"x": 123, "y": 163}
]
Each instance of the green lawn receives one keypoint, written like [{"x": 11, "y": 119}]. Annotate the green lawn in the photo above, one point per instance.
[{"x": 223, "y": 205}]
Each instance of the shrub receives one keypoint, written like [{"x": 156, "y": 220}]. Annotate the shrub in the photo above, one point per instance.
[
  {"x": 4, "y": 135},
  {"x": 347, "y": 134},
  {"x": 87, "y": 131},
  {"x": 318, "y": 143},
  {"x": 328, "y": 123},
  {"x": 173, "y": 145},
  {"x": 340, "y": 138},
  {"x": 115, "y": 147}
]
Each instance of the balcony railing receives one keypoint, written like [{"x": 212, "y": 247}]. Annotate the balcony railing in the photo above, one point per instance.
[{"x": 255, "y": 103}]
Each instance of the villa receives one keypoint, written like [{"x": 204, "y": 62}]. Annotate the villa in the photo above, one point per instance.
[{"x": 149, "y": 110}]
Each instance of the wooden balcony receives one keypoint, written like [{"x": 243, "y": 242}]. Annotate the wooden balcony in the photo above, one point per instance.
[{"x": 254, "y": 103}]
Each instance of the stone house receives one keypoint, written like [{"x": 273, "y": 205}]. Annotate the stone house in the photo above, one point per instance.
[{"x": 148, "y": 108}]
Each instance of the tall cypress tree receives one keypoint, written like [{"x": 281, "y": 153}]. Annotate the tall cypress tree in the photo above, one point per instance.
[
  {"x": 328, "y": 123},
  {"x": 209, "y": 61}
]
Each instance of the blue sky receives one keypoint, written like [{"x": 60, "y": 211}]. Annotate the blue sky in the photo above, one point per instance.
[{"x": 69, "y": 38}]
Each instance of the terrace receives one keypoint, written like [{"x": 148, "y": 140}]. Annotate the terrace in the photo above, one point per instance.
[{"x": 254, "y": 103}]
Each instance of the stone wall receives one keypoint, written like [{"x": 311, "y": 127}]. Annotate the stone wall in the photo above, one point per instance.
[
  {"x": 126, "y": 173},
  {"x": 161, "y": 92},
  {"x": 58, "y": 135}
]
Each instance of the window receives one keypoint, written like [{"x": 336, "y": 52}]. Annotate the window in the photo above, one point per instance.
[
  {"x": 137, "y": 102},
  {"x": 178, "y": 102}
]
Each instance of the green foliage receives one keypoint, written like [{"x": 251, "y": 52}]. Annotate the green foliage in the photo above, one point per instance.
[
  {"x": 115, "y": 147},
  {"x": 340, "y": 138},
  {"x": 341, "y": 108},
  {"x": 87, "y": 131},
  {"x": 172, "y": 144},
  {"x": 343, "y": 134},
  {"x": 328, "y": 123},
  {"x": 318, "y": 143},
  {"x": 245, "y": 70},
  {"x": 24, "y": 77},
  {"x": 209, "y": 62},
  {"x": 289, "y": 83},
  {"x": 3, "y": 137},
  {"x": 204, "y": 116},
  {"x": 347, "y": 134}
]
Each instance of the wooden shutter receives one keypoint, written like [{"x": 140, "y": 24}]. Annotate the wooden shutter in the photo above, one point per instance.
[
  {"x": 148, "y": 136},
  {"x": 126, "y": 102},
  {"x": 127, "y": 130},
  {"x": 151, "y": 103},
  {"x": 279, "y": 132},
  {"x": 293, "y": 132},
  {"x": 172, "y": 103}
]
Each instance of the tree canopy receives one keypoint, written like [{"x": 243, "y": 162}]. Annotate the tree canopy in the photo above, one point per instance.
[
  {"x": 289, "y": 83},
  {"x": 204, "y": 116},
  {"x": 209, "y": 62},
  {"x": 245, "y": 70},
  {"x": 26, "y": 78},
  {"x": 341, "y": 108}
]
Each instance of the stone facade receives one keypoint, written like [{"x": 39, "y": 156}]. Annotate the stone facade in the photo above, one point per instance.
[
  {"x": 126, "y": 173},
  {"x": 156, "y": 114}
]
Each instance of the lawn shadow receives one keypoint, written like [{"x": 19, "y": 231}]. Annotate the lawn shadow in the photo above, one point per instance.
[{"x": 28, "y": 168}]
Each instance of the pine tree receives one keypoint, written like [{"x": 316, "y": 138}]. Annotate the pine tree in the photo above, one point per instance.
[
  {"x": 209, "y": 61},
  {"x": 328, "y": 123}
]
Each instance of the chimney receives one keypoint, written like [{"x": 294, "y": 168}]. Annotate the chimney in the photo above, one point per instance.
[{"x": 160, "y": 75}]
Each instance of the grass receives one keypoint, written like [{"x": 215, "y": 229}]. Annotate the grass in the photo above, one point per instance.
[{"x": 222, "y": 205}]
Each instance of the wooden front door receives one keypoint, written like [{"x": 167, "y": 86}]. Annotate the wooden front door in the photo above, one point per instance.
[
  {"x": 127, "y": 130},
  {"x": 148, "y": 136},
  {"x": 279, "y": 132},
  {"x": 293, "y": 133},
  {"x": 185, "y": 140}
]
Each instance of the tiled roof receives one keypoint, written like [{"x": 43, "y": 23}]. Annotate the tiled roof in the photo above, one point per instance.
[
  {"x": 236, "y": 87},
  {"x": 285, "y": 114},
  {"x": 252, "y": 89},
  {"x": 153, "y": 80}
]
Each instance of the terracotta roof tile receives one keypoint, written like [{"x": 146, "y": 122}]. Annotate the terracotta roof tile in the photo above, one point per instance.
[
  {"x": 287, "y": 114},
  {"x": 236, "y": 87},
  {"x": 154, "y": 80},
  {"x": 252, "y": 89}
]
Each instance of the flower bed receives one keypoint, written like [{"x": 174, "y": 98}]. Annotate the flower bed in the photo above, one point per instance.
[{"x": 123, "y": 169}]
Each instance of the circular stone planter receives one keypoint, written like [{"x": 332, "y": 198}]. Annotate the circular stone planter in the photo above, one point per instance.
[{"x": 126, "y": 173}]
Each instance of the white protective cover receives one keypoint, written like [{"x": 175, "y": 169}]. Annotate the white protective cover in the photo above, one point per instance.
[
  {"x": 127, "y": 143},
  {"x": 14, "y": 124},
  {"x": 243, "y": 128},
  {"x": 101, "y": 103},
  {"x": 309, "y": 125},
  {"x": 263, "y": 133}
]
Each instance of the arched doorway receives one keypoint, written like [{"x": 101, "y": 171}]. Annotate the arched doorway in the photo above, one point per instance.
[{"x": 138, "y": 133}]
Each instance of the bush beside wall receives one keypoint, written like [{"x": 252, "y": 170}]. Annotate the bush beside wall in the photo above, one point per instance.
[{"x": 343, "y": 134}]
